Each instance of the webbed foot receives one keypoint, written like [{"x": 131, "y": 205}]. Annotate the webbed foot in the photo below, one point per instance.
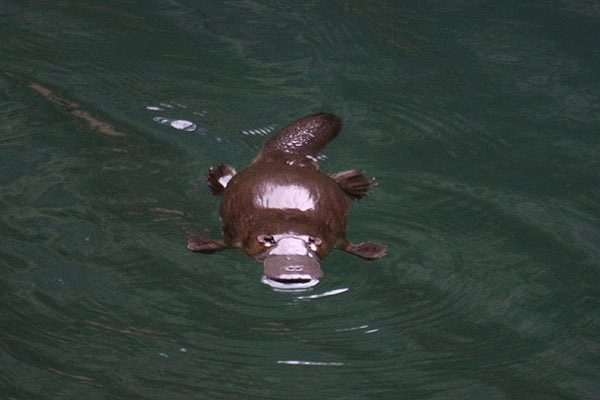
[
  {"x": 195, "y": 243},
  {"x": 218, "y": 178},
  {"x": 354, "y": 183},
  {"x": 367, "y": 250}
]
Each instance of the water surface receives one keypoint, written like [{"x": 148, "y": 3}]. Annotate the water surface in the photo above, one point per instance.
[{"x": 479, "y": 120}]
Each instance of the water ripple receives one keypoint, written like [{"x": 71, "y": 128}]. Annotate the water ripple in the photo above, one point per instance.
[{"x": 478, "y": 128}]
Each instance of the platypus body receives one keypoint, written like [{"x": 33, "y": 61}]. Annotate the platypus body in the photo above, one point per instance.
[{"x": 282, "y": 210}]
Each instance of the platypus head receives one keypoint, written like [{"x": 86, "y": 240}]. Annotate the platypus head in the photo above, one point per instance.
[{"x": 290, "y": 257}]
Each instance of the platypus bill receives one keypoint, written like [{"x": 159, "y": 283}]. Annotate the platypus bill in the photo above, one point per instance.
[{"x": 282, "y": 210}]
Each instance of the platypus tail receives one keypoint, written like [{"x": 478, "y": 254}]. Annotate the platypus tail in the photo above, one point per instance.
[{"x": 303, "y": 138}]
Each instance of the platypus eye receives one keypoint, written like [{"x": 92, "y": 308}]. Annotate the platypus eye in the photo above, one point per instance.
[
  {"x": 314, "y": 240},
  {"x": 267, "y": 240}
]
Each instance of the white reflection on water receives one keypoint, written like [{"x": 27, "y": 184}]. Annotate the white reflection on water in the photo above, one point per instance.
[
  {"x": 180, "y": 124},
  {"x": 301, "y": 287},
  {"x": 318, "y": 363},
  {"x": 324, "y": 294},
  {"x": 355, "y": 328},
  {"x": 289, "y": 287}
]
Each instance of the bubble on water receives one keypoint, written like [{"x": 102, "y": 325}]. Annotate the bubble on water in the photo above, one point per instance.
[
  {"x": 162, "y": 120},
  {"x": 180, "y": 124},
  {"x": 183, "y": 125},
  {"x": 154, "y": 108}
]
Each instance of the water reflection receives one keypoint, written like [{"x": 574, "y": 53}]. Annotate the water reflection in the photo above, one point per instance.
[
  {"x": 289, "y": 287},
  {"x": 317, "y": 363},
  {"x": 324, "y": 294}
]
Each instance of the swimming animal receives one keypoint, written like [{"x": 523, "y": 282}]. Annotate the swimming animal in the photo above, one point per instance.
[{"x": 282, "y": 210}]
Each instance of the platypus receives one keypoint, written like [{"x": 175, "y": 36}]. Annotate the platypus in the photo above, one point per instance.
[{"x": 282, "y": 210}]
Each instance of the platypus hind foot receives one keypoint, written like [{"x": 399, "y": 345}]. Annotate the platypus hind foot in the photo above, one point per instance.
[
  {"x": 354, "y": 183},
  {"x": 218, "y": 178},
  {"x": 368, "y": 250},
  {"x": 195, "y": 243}
]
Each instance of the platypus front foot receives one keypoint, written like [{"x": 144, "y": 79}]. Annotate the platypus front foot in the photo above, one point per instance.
[
  {"x": 368, "y": 250},
  {"x": 195, "y": 243},
  {"x": 218, "y": 178},
  {"x": 355, "y": 183}
]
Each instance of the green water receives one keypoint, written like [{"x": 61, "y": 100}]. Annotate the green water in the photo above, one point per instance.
[{"x": 480, "y": 120}]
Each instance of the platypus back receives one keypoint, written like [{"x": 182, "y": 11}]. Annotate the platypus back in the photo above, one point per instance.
[{"x": 304, "y": 138}]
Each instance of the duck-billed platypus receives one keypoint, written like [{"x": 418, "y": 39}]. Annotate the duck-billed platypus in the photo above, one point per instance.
[{"x": 282, "y": 210}]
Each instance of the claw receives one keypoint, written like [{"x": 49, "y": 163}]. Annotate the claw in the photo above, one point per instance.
[
  {"x": 354, "y": 183},
  {"x": 368, "y": 250},
  {"x": 195, "y": 243},
  {"x": 218, "y": 178}
]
